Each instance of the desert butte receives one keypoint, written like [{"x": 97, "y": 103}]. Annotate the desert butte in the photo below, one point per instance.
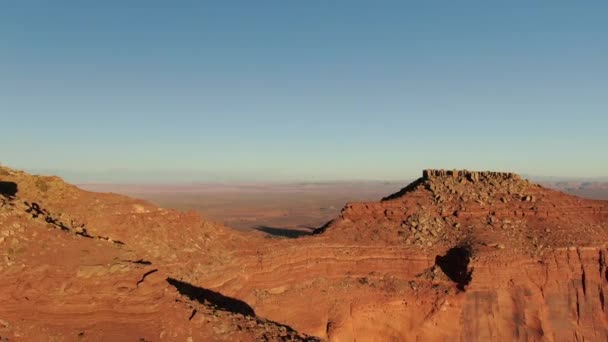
[{"x": 465, "y": 255}]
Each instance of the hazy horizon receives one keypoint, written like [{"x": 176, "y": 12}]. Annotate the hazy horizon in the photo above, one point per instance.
[
  {"x": 312, "y": 90},
  {"x": 159, "y": 178}
]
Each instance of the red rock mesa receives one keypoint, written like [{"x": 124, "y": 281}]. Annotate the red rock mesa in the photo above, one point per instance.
[{"x": 455, "y": 255}]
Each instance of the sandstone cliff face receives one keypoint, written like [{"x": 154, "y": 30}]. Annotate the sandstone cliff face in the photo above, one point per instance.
[
  {"x": 358, "y": 293},
  {"x": 471, "y": 256},
  {"x": 373, "y": 272}
]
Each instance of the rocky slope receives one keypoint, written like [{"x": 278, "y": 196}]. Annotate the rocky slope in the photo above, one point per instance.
[
  {"x": 472, "y": 255},
  {"x": 456, "y": 254},
  {"x": 76, "y": 265}
]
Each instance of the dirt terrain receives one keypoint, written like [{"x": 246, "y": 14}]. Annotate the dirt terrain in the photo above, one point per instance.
[{"x": 472, "y": 256}]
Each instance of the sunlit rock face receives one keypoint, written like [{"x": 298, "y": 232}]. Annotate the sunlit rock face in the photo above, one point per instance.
[{"x": 457, "y": 254}]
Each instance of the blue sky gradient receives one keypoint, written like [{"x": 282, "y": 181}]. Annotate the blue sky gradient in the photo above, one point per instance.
[{"x": 303, "y": 90}]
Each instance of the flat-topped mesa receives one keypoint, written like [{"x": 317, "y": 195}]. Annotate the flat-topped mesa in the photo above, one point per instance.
[{"x": 470, "y": 175}]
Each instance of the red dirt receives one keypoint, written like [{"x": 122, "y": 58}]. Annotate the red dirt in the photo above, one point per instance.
[{"x": 456, "y": 255}]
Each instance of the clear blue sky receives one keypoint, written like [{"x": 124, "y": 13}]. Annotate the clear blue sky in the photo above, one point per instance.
[{"x": 272, "y": 90}]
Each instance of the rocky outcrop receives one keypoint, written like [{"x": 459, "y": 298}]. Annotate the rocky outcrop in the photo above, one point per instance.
[
  {"x": 445, "y": 207},
  {"x": 379, "y": 270},
  {"x": 471, "y": 256},
  {"x": 473, "y": 176}
]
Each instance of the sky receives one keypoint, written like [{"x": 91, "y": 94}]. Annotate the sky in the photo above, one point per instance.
[{"x": 302, "y": 90}]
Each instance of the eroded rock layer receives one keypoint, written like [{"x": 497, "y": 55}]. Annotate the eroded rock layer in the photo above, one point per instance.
[
  {"x": 76, "y": 265},
  {"x": 471, "y": 256}
]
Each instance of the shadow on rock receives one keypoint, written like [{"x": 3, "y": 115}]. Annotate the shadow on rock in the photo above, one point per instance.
[
  {"x": 213, "y": 298},
  {"x": 8, "y": 189},
  {"x": 283, "y": 232},
  {"x": 455, "y": 264}
]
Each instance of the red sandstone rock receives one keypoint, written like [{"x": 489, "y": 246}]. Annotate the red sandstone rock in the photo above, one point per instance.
[{"x": 455, "y": 255}]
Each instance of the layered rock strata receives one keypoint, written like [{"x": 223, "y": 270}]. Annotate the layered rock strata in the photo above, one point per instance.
[{"x": 455, "y": 255}]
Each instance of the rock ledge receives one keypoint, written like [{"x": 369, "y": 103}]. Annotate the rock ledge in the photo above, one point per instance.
[{"x": 471, "y": 175}]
